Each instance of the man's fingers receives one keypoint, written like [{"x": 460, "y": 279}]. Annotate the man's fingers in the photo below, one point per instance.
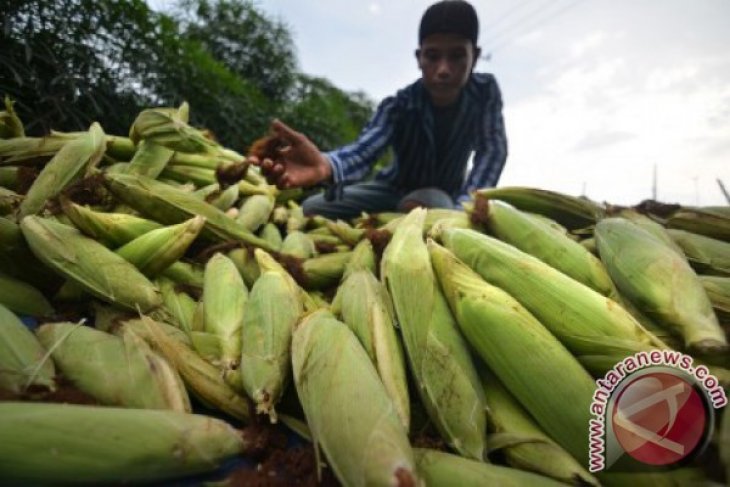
[
  {"x": 285, "y": 132},
  {"x": 277, "y": 170},
  {"x": 253, "y": 160}
]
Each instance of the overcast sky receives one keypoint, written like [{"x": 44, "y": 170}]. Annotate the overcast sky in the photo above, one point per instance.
[{"x": 597, "y": 93}]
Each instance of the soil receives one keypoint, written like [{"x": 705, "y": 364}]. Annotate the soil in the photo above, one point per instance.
[{"x": 65, "y": 393}]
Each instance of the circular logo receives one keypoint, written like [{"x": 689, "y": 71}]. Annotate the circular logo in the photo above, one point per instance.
[{"x": 659, "y": 418}]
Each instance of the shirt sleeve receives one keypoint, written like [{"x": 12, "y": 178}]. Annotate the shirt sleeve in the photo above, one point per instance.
[
  {"x": 352, "y": 162},
  {"x": 491, "y": 153}
]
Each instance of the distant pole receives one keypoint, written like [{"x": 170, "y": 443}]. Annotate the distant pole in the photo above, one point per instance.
[
  {"x": 653, "y": 185},
  {"x": 584, "y": 190},
  {"x": 724, "y": 191}
]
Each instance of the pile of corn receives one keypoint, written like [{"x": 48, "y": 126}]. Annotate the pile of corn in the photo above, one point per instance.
[{"x": 195, "y": 278}]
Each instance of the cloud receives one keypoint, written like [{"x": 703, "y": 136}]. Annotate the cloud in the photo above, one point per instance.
[
  {"x": 591, "y": 42},
  {"x": 374, "y": 8},
  {"x": 598, "y": 139}
]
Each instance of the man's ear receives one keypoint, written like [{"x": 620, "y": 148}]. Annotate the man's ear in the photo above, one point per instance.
[{"x": 477, "y": 55}]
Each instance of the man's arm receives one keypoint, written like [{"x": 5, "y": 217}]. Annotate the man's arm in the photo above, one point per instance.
[
  {"x": 490, "y": 156},
  {"x": 353, "y": 162}
]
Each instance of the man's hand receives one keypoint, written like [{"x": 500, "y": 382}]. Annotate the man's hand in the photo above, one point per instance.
[{"x": 297, "y": 162}]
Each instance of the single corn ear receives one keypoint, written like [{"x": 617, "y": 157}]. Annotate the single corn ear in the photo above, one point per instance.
[
  {"x": 296, "y": 220},
  {"x": 22, "y": 298},
  {"x": 708, "y": 222},
  {"x": 69, "y": 444},
  {"x": 186, "y": 274},
  {"x": 266, "y": 263},
  {"x": 225, "y": 199},
  {"x": 166, "y": 128},
  {"x": 347, "y": 234},
  {"x": 363, "y": 304},
  {"x": 705, "y": 255},
  {"x": 17, "y": 260},
  {"x": 69, "y": 164},
  {"x": 364, "y": 441},
  {"x": 255, "y": 211},
  {"x": 596, "y": 329},
  {"x": 149, "y": 160},
  {"x": 362, "y": 258},
  {"x": 324, "y": 271},
  {"x": 266, "y": 336},
  {"x": 115, "y": 371},
  {"x": 661, "y": 283},
  {"x": 157, "y": 250},
  {"x": 224, "y": 300},
  {"x": 440, "y": 468},
  {"x": 246, "y": 264},
  {"x": 521, "y": 351},
  {"x": 179, "y": 303},
  {"x": 10, "y": 124},
  {"x": 718, "y": 290},
  {"x": 111, "y": 229},
  {"x": 569, "y": 211},
  {"x": 298, "y": 244},
  {"x": 438, "y": 356},
  {"x": 23, "y": 360},
  {"x": 536, "y": 237},
  {"x": 199, "y": 176},
  {"x": 202, "y": 379},
  {"x": 523, "y": 443},
  {"x": 271, "y": 234},
  {"x": 89, "y": 264}
]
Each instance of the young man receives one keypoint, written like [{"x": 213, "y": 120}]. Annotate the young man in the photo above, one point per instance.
[{"x": 433, "y": 126}]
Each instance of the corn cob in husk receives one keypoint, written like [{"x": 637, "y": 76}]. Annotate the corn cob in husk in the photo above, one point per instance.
[
  {"x": 596, "y": 329},
  {"x": 69, "y": 164},
  {"x": 245, "y": 262},
  {"x": 23, "y": 360},
  {"x": 520, "y": 351},
  {"x": 348, "y": 411},
  {"x": 29, "y": 150},
  {"x": 116, "y": 371},
  {"x": 9, "y": 201},
  {"x": 9, "y": 177},
  {"x": 179, "y": 303},
  {"x": 523, "y": 443},
  {"x": 22, "y": 298},
  {"x": 439, "y": 468},
  {"x": 89, "y": 264},
  {"x": 298, "y": 244},
  {"x": 224, "y": 299},
  {"x": 345, "y": 232},
  {"x": 185, "y": 274},
  {"x": 651, "y": 226},
  {"x": 17, "y": 260},
  {"x": 224, "y": 199},
  {"x": 295, "y": 218},
  {"x": 718, "y": 291},
  {"x": 168, "y": 129},
  {"x": 169, "y": 205},
  {"x": 660, "y": 282},
  {"x": 255, "y": 211},
  {"x": 150, "y": 159},
  {"x": 536, "y": 237},
  {"x": 364, "y": 305},
  {"x": 158, "y": 249},
  {"x": 706, "y": 255},
  {"x": 69, "y": 444},
  {"x": 111, "y": 229},
  {"x": 707, "y": 222},
  {"x": 272, "y": 310},
  {"x": 199, "y": 176},
  {"x": 271, "y": 234},
  {"x": 439, "y": 358},
  {"x": 10, "y": 124},
  {"x": 569, "y": 211},
  {"x": 202, "y": 379},
  {"x": 321, "y": 272}
]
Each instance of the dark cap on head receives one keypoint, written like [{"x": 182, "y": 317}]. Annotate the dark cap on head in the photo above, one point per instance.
[{"x": 450, "y": 17}]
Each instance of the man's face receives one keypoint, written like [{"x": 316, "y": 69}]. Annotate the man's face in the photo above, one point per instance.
[{"x": 445, "y": 60}]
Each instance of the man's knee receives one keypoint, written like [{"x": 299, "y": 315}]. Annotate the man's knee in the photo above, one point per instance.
[{"x": 427, "y": 198}]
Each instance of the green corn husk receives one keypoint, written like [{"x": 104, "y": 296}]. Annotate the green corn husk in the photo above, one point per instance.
[
  {"x": 180, "y": 305},
  {"x": 202, "y": 379},
  {"x": 116, "y": 371},
  {"x": 438, "y": 356},
  {"x": 157, "y": 250},
  {"x": 320, "y": 239},
  {"x": 9, "y": 201},
  {"x": 718, "y": 290},
  {"x": 23, "y": 360},
  {"x": 10, "y": 124},
  {"x": 266, "y": 336},
  {"x": 439, "y": 468},
  {"x": 204, "y": 161},
  {"x": 710, "y": 223},
  {"x": 348, "y": 411},
  {"x": 169, "y": 205},
  {"x": 225, "y": 199},
  {"x": 569, "y": 211},
  {"x": 298, "y": 244},
  {"x": 89, "y": 264},
  {"x": 597, "y": 330},
  {"x": 526, "y": 357},
  {"x": 168, "y": 129},
  {"x": 69, "y": 164},
  {"x": 185, "y": 274},
  {"x": 224, "y": 299},
  {"x": 67, "y": 444},
  {"x": 296, "y": 219},
  {"x": 660, "y": 282},
  {"x": 30, "y": 150},
  {"x": 9, "y": 178},
  {"x": 18, "y": 261},
  {"x": 280, "y": 215},
  {"x": 206, "y": 193},
  {"x": 651, "y": 226},
  {"x": 208, "y": 346},
  {"x": 150, "y": 159},
  {"x": 535, "y": 237},
  {"x": 120, "y": 148},
  {"x": 255, "y": 212},
  {"x": 246, "y": 188},
  {"x": 324, "y": 271},
  {"x": 111, "y": 229},
  {"x": 271, "y": 234},
  {"x": 246, "y": 264},
  {"x": 265, "y": 261},
  {"x": 363, "y": 304},
  {"x": 590, "y": 245},
  {"x": 186, "y": 174},
  {"x": 522, "y": 442},
  {"x": 706, "y": 255},
  {"x": 345, "y": 232},
  {"x": 22, "y": 298}
]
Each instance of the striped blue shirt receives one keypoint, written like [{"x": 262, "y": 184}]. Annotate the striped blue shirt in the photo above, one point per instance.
[{"x": 405, "y": 122}]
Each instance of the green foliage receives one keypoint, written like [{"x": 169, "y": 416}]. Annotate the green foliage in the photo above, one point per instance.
[{"x": 71, "y": 62}]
